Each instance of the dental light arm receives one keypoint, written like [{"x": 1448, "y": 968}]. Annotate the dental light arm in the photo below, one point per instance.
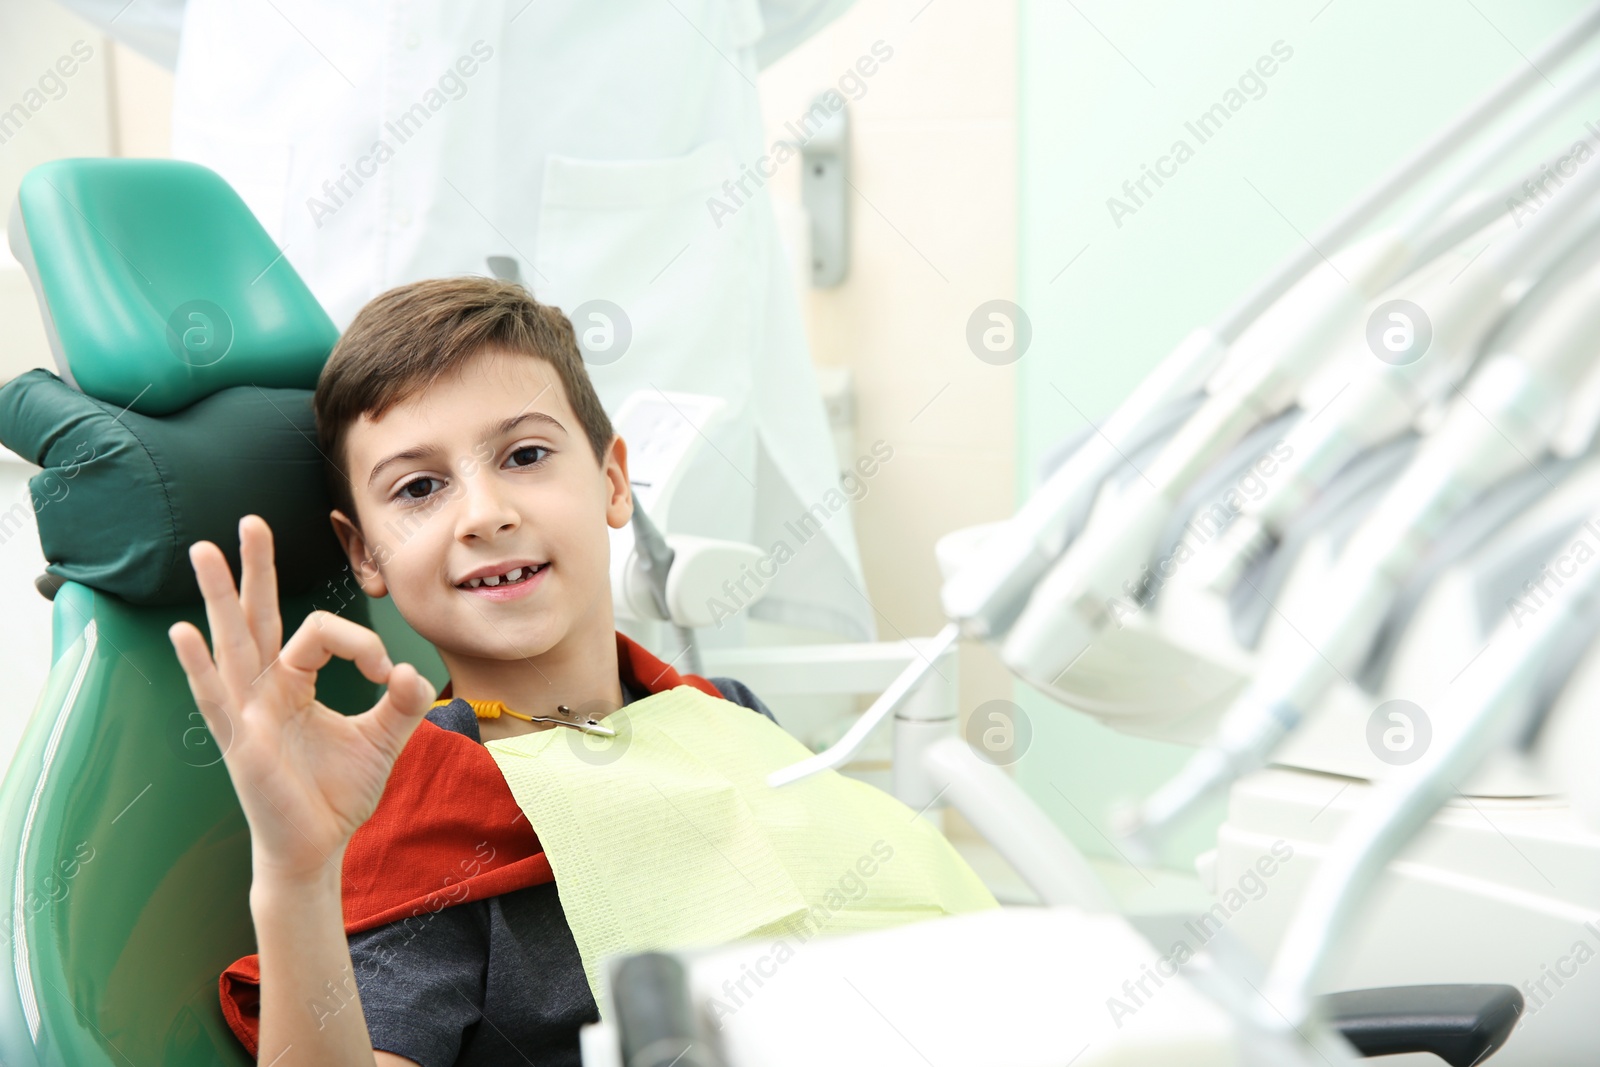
[
  {"x": 1486, "y": 707},
  {"x": 1509, "y": 411}
]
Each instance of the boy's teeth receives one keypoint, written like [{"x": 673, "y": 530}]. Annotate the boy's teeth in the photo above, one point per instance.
[{"x": 494, "y": 580}]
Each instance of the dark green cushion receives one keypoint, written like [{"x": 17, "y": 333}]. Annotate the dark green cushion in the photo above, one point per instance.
[{"x": 122, "y": 496}]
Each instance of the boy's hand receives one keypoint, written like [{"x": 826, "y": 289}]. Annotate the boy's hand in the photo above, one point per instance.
[{"x": 307, "y": 777}]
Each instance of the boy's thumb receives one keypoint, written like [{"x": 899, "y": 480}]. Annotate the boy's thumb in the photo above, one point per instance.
[
  {"x": 404, "y": 703},
  {"x": 421, "y": 690}
]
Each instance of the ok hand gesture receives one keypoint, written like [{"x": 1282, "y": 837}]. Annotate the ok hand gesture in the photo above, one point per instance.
[{"x": 307, "y": 776}]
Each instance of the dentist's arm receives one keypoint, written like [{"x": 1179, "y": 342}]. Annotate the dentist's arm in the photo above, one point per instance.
[{"x": 307, "y": 778}]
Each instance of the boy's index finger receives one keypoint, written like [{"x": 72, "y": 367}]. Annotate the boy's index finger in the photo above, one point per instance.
[{"x": 232, "y": 647}]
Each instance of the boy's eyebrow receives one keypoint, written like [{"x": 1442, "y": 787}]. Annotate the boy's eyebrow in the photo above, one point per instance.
[{"x": 500, "y": 429}]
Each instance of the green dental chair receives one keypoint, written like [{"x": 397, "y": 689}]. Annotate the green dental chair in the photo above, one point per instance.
[{"x": 188, "y": 349}]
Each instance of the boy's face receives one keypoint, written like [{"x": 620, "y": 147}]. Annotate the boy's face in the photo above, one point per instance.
[{"x": 477, "y": 496}]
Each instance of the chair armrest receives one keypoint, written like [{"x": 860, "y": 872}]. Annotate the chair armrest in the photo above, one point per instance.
[{"x": 1461, "y": 1024}]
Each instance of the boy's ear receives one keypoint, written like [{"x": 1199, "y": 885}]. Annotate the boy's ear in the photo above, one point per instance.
[
  {"x": 619, "y": 505},
  {"x": 355, "y": 549}
]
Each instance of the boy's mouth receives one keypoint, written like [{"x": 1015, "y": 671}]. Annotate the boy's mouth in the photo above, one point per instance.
[{"x": 515, "y": 576}]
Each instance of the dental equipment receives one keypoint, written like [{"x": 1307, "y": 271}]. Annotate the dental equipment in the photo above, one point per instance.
[
  {"x": 1503, "y": 878},
  {"x": 1380, "y": 398},
  {"x": 1261, "y": 376},
  {"x": 985, "y": 597},
  {"x": 1492, "y": 698},
  {"x": 1510, "y": 409},
  {"x": 655, "y": 564},
  {"x": 656, "y": 575}
]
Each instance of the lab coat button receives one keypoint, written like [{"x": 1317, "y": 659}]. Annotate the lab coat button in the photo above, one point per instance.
[{"x": 412, "y": 40}]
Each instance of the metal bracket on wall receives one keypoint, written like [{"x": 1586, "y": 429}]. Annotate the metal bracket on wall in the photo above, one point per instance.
[{"x": 824, "y": 191}]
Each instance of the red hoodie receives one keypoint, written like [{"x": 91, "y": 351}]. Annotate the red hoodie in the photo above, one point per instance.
[{"x": 392, "y": 863}]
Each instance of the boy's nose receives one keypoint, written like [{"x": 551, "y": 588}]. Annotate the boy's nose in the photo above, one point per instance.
[{"x": 486, "y": 506}]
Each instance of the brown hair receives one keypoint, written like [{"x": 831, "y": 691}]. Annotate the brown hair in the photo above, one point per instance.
[{"x": 405, "y": 339}]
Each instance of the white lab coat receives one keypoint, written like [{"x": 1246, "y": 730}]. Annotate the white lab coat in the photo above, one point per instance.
[{"x": 583, "y": 138}]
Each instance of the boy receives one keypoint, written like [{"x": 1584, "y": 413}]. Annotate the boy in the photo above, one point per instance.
[{"x": 472, "y": 467}]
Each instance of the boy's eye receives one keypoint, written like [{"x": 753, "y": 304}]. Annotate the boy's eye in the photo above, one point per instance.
[
  {"x": 406, "y": 490},
  {"x": 530, "y": 448}
]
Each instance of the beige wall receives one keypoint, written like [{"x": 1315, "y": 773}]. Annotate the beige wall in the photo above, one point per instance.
[
  {"x": 74, "y": 119},
  {"x": 114, "y": 103},
  {"x": 933, "y": 235},
  {"x": 142, "y": 105}
]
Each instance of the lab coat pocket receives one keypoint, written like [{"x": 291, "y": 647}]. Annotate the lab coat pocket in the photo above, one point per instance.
[{"x": 659, "y": 268}]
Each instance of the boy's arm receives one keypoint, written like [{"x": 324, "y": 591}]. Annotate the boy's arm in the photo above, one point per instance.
[
  {"x": 310, "y": 1011},
  {"x": 307, "y": 777}
]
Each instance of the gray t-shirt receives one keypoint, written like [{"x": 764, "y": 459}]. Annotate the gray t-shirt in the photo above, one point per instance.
[{"x": 492, "y": 981}]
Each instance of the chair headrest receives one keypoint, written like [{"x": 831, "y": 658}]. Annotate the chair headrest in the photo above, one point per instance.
[
  {"x": 189, "y": 350},
  {"x": 158, "y": 287}
]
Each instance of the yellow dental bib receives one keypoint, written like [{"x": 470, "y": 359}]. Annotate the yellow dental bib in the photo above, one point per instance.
[{"x": 667, "y": 835}]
